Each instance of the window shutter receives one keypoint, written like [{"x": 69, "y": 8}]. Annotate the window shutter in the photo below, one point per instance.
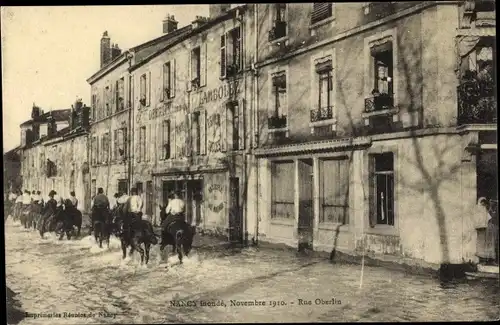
[
  {"x": 148, "y": 102},
  {"x": 238, "y": 58},
  {"x": 223, "y": 56},
  {"x": 203, "y": 64},
  {"x": 172, "y": 78},
  {"x": 172, "y": 137},
  {"x": 203, "y": 132},
  {"x": 321, "y": 11},
  {"x": 164, "y": 82},
  {"x": 124, "y": 142},
  {"x": 189, "y": 135},
  {"x": 190, "y": 71},
  {"x": 372, "y": 215},
  {"x": 241, "y": 122},
  {"x": 116, "y": 155},
  {"x": 223, "y": 126}
]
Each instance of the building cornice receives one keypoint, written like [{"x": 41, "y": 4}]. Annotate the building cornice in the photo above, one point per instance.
[{"x": 354, "y": 31}]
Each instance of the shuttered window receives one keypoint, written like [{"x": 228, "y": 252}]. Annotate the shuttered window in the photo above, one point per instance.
[
  {"x": 166, "y": 143},
  {"x": 223, "y": 56},
  {"x": 334, "y": 191},
  {"x": 321, "y": 11},
  {"x": 282, "y": 204}
]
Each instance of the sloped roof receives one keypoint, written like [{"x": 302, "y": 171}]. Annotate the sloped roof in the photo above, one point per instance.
[{"x": 58, "y": 115}]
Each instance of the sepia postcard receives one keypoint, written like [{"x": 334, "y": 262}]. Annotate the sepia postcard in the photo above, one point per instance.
[{"x": 250, "y": 162}]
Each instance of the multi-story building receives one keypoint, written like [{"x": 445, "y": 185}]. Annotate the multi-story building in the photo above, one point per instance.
[
  {"x": 191, "y": 120},
  {"x": 113, "y": 99},
  {"x": 58, "y": 158},
  {"x": 12, "y": 170},
  {"x": 376, "y": 126}
]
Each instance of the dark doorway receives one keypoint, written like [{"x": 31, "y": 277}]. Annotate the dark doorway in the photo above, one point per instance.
[
  {"x": 306, "y": 214},
  {"x": 235, "y": 215},
  {"x": 122, "y": 186},
  {"x": 191, "y": 192},
  {"x": 149, "y": 198}
]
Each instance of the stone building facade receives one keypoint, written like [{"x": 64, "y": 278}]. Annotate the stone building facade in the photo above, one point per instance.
[
  {"x": 45, "y": 163},
  {"x": 362, "y": 111},
  {"x": 191, "y": 124}
]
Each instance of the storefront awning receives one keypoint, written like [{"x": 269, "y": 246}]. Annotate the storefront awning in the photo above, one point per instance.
[{"x": 318, "y": 146}]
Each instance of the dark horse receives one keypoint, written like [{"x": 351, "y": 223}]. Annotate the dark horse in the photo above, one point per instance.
[
  {"x": 176, "y": 232},
  {"x": 133, "y": 232},
  {"x": 73, "y": 216},
  {"x": 51, "y": 217},
  {"x": 102, "y": 225}
]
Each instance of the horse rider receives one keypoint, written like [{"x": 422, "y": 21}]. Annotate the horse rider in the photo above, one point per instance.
[
  {"x": 39, "y": 194},
  {"x": 100, "y": 204},
  {"x": 135, "y": 205},
  {"x": 122, "y": 203},
  {"x": 71, "y": 205},
  {"x": 175, "y": 210},
  {"x": 36, "y": 201},
  {"x": 26, "y": 201},
  {"x": 113, "y": 202},
  {"x": 50, "y": 209}
]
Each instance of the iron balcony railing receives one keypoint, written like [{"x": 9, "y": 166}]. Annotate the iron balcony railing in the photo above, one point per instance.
[
  {"x": 278, "y": 31},
  {"x": 276, "y": 122},
  {"x": 477, "y": 102},
  {"x": 321, "y": 114},
  {"x": 380, "y": 102}
]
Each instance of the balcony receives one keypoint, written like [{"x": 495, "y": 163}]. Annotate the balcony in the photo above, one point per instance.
[
  {"x": 278, "y": 31},
  {"x": 321, "y": 114},
  {"x": 477, "y": 103},
  {"x": 276, "y": 122},
  {"x": 379, "y": 103}
]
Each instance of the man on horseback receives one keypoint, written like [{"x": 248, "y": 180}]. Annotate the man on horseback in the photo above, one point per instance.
[
  {"x": 135, "y": 207},
  {"x": 174, "y": 212},
  {"x": 100, "y": 206},
  {"x": 50, "y": 210}
]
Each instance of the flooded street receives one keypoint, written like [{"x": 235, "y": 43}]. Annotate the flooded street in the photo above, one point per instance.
[{"x": 75, "y": 282}]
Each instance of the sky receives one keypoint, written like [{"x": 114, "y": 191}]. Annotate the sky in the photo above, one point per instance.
[{"x": 48, "y": 53}]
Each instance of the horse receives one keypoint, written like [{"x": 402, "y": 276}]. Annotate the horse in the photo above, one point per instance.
[
  {"x": 177, "y": 233},
  {"x": 25, "y": 214},
  {"x": 102, "y": 225},
  {"x": 134, "y": 234},
  {"x": 74, "y": 216},
  {"x": 50, "y": 220},
  {"x": 35, "y": 215}
]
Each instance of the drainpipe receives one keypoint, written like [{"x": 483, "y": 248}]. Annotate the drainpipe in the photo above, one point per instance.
[
  {"x": 130, "y": 123},
  {"x": 255, "y": 131}
]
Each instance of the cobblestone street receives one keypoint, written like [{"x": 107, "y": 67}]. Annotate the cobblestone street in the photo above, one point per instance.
[{"x": 253, "y": 285}]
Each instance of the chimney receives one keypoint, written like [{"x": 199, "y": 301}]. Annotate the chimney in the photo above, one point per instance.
[
  {"x": 105, "y": 49},
  {"x": 35, "y": 112},
  {"x": 115, "y": 52},
  {"x": 199, "y": 20},
  {"x": 169, "y": 24},
  {"x": 215, "y": 10}
]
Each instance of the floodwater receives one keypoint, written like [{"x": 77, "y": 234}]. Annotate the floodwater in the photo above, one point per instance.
[{"x": 75, "y": 282}]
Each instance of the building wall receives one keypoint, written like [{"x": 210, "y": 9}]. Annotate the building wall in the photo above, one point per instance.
[
  {"x": 428, "y": 172},
  {"x": 216, "y": 161},
  {"x": 106, "y": 173},
  {"x": 71, "y": 159}
]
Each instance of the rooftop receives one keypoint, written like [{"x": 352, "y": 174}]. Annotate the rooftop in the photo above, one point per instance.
[{"x": 58, "y": 115}]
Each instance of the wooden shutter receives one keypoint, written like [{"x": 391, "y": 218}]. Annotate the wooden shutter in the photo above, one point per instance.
[
  {"x": 116, "y": 155},
  {"x": 223, "y": 56},
  {"x": 321, "y": 11},
  {"x": 190, "y": 71},
  {"x": 148, "y": 100},
  {"x": 203, "y": 132},
  {"x": 125, "y": 142},
  {"x": 163, "y": 84},
  {"x": 173, "y": 146},
  {"x": 203, "y": 64},
  {"x": 189, "y": 136},
  {"x": 172, "y": 78},
  {"x": 238, "y": 59},
  {"x": 241, "y": 122},
  {"x": 229, "y": 49},
  {"x": 223, "y": 131}
]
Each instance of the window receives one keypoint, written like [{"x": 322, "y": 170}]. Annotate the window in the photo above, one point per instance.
[
  {"x": 120, "y": 143},
  {"x": 94, "y": 106},
  {"x": 195, "y": 67},
  {"x": 231, "y": 62},
  {"x": 122, "y": 186},
  {"x": 167, "y": 81},
  {"x": 282, "y": 177},
  {"x": 108, "y": 99},
  {"x": 166, "y": 143},
  {"x": 334, "y": 191},
  {"x": 142, "y": 143},
  {"x": 139, "y": 187},
  {"x": 105, "y": 147},
  {"x": 278, "y": 29},
  {"x": 383, "y": 70},
  {"x": 119, "y": 95},
  {"x": 278, "y": 118},
  {"x": 93, "y": 188},
  {"x": 130, "y": 91},
  {"x": 233, "y": 125},
  {"x": 324, "y": 109},
  {"x": 145, "y": 90},
  {"x": 95, "y": 151},
  {"x": 321, "y": 11},
  {"x": 382, "y": 188},
  {"x": 196, "y": 133}
]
